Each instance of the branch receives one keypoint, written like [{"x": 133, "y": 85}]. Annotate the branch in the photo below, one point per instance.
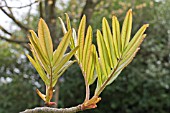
[
  {"x": 20, "y": 6},
  {"x": 8, "y": 7},
  {"x": 41, "y": 9},
  {"x": 14, "y": 19},
  {"x": 5, "y": 31},
  {"x": 12, "y": 40},
  {"x": 53, "y": 110},
  {"x": 89, "y": 9}
]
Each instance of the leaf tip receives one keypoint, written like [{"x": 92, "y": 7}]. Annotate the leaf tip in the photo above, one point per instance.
[
  {"x": 146, "y": 25},
  {"x": 41, "y": 20},
  {"x": 114, "y": 17},
  {"x": 84, "y": 16},
  {"x": 130, "y": 11}
]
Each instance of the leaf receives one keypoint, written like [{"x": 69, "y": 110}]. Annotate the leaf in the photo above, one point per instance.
[
  {"x": 90, "y": 71},
  {"x": 86, "y": 50},
  {"x": 39, "y": 70},
  {"x": 61, "y": 71},
  {"x": 75, "y": 38},
  {"x": 39, "y": 55},
  {"x": 98, "y": 68},
  {"x": 126, "y": 29},
  {"x": 59, "y": 52},
  {"x": 68, "y": 22},
  {"x": 64, "y": 60},
  {"x": 45, "y": 39},
  {"x": 135, "y": 46},
  {"x": 121, "y": 66},
  {"x": 41, "y": 95},
  {"x": 116, "y": 36},
  {"x": 72, "y": 45},
  {"x": 103, "y": 54},
  {"x": 62, "y": 25},
  {"x": 136, "y": 38},
  {"x": 109, "y": 43},
  {"x": 81, "y": 32}
]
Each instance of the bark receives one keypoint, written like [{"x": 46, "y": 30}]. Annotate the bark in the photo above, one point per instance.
[
  {"x": 20, "y": 7},
  {"x": 50, "y": 17},
  {"x": 13, "y": 41},
  {"x": 89, "y": 9},
  {"x": 15, "y": 20},
  {"x": 53, "y": 110}
]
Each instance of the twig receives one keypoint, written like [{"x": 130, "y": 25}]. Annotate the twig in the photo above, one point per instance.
[
  {"x": 53, "y": 110},
  {"x": 5, "y": 31},
  {"x": 14, "y": 19},
  {"x": 20, "y": 6},
  {"x": 8, "y": 7},
  {"x": 12, "y": 40}
]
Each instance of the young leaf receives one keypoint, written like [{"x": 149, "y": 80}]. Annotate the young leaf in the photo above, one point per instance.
[
  {"x": 126, "y": 50},
  {"x": 86, "y": 50},
  {"x": 61, "y": 71},
  {"x": 45, "y": 39},
  {"x": 39, "y": 70},
  {"x": 81, "y": 32},
  {"x": 59, "y": 52},
  {"x": 126, "y": 29},
  {"x": 103, "y": 53},
  {"x": 109, "y": 42},
  {"x": 116, "y": 36},
  {"x": 63, "y": 26},
  {"x": 59, "y": 65},
  {"x": 39, "y": 55},
  {"x": 68, "y": 22},
  {"x": 90, "y": 73},
  {"x": 136, "y": 38}
]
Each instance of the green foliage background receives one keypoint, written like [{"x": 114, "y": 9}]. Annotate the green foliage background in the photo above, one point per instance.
[{"x": 144, "y": 86}]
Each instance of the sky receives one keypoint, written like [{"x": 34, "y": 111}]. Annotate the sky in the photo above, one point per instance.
[{"x": 18, "y": 13}]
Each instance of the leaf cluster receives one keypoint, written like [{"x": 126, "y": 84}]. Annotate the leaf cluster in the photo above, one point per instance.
[{"x": 115, "y": 51}]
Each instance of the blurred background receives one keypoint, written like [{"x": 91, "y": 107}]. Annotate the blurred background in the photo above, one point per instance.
[{"x": 143, "y": 87}]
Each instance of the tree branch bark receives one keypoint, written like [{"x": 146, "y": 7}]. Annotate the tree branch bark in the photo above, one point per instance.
[
  {"x": 50, "y": 18},
  {"x": 89, "y": 9},
  {"x": 5, "y": 31},
  {"x": 53, "y": 110},
  {"x": 41, "y": 9},
  {"x": 14, "y": 19},
  {"x": 13, "y": 41},
  {"x": 20, "y": 6}
]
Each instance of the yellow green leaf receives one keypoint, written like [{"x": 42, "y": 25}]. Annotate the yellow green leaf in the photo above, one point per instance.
[
  {"x": 126, "y": 29},
  {"x": 81, "y": 32},
  {"x": 103, "y": 53},
  {"x": 59, "y": 52},
  {"x": 98, "y": 68},
  {"x": 39, "y": 70},
  {"x": 109, "y": 43},
  {"x": 45, "y": 39},
  {"x": 41, "y": 95},
  {"x": 66, "y": 58},
  {"x": 39, "y": 55},
  {"x": 136, "y": 38},
  {"x": 86, "y": 50},
  {"x": 116, "y": 36},
  {"x": 68, "y": 22},
  {"x": 62, "y": 25},
  {"x": 92, "y": 76},
  {"x": 61, "y": 71}
]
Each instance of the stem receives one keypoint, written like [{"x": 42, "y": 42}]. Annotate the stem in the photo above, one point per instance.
[
  {"x": 105, "y": 83},
  {"x": 53, "y": 110},
  {"x": 87, "y": 91},
  {"x": 86, "y": 82}
]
